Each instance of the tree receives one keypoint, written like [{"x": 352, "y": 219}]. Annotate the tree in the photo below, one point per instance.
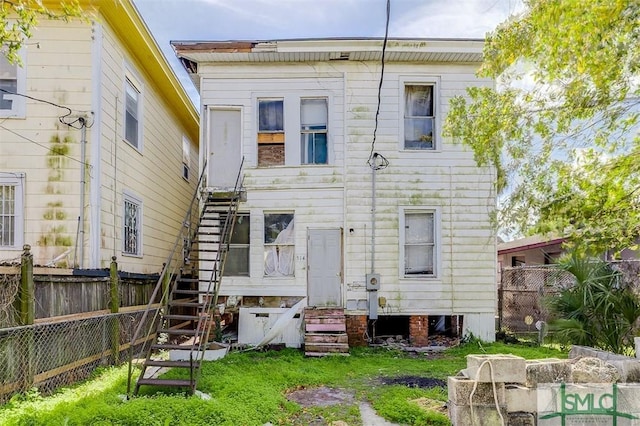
[
  {"x": 561, "y": 125},
  {"x": 599, "y": 310},
  {"x": 18, "y": 18}
]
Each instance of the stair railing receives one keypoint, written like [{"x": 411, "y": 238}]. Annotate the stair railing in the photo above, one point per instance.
[
  {"x": 168, "y": 272},
  {"x": 215, "y": 279}
]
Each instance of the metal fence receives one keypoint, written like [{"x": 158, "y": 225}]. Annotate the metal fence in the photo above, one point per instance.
[
  {"x": 522, "y": 292},
  {"x": 55, "y": 354}
]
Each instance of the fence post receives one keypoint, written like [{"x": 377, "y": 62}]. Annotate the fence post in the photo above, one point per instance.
[
  {"x": 27, "y": 292},
  {"x": 27, "y": 316},
  {"x": 114, "y": 304}
]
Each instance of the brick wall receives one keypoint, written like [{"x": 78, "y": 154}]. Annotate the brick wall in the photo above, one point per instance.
[
  {"x": 419, "y": 330},
  {"x": 271, "y": 154},
  {"x": 356, "y": 330}
]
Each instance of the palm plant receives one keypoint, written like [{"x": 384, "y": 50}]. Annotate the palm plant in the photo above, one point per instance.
[{"x": 598, "y": 310}]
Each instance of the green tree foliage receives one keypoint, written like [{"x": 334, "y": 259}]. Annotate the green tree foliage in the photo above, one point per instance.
[
  {"x": 561, "y": 125},
  {"x": 600, "y": 310},
  {"x": 18, "y": 18}
]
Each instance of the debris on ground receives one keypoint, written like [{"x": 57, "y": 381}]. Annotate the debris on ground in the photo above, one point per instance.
[{"x": 414, "y": 382}]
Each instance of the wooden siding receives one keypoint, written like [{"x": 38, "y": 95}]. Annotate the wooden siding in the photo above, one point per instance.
[{"x": 445, "y": 180}]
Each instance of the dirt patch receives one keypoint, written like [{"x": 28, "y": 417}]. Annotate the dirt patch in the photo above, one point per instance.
[
  {"x": 414, "y": 382},
  {"x": 321, "y": 396}
]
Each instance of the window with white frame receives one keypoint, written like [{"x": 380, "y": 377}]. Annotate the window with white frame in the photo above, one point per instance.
[
  {"x": 132, "y": 225},
  {"x": 11, "y": 210},
  {"x": 419, "y": 243},
  {"x": 271, "y": 132},
  {"x": 279, "y": 244},
  {"x": 186, "y": 157},
  {"x": 237, "y": 262},
  {"x": 133, "y": 113},
  {"x": 419, "y": 117},
  {"x": 12, "y": 83},
  {"x": 313, "y": 131}
]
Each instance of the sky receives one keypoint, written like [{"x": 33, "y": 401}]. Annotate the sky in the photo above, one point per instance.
[{"x": 209, "y": 20}]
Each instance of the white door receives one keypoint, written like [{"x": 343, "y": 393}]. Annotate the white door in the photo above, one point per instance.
[
  {"x": 324, "y": 267},
  {"x": 225, "y": 143}
]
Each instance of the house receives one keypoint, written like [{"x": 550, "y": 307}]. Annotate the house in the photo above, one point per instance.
[
  {"x": 351, "y": 204},
  {"x": 98, "y": 143},
  {"x": 533, "y": 250}
]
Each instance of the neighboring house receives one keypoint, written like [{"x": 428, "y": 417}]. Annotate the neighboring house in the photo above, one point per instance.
[
  {"x": 410, "y": 244},
  {"x": 96, "y": 92},
  {"x": 529, "y": 251}
]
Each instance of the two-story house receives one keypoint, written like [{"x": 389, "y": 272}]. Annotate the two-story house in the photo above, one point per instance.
[
  {"x": 354, "y": 199},
  {"x": 98, "y": 144}
]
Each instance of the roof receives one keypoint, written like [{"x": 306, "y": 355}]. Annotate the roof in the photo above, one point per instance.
[
  {"x": 191, "y": 53},
  {"x": 125, "y": 20},
  {"x": 528, "y": 243},
  {"x": 352, "y": 49}
]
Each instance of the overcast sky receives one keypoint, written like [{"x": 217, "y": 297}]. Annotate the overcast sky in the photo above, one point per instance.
[{"x": 281, "y": 19}]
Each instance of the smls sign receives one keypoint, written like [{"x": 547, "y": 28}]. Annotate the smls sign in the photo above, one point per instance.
[{"x": 589, "y": 404}]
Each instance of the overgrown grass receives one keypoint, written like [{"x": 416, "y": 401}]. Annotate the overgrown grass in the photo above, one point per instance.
[{"x": 250, "y": 388}]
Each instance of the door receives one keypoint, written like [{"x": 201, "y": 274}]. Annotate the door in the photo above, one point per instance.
[
  {"x": 324, "y": 267},
  {"x": 225, "y": 143}
]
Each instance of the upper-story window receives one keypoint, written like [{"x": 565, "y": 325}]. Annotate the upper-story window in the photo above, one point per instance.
[
  {"x": 133, "y": 113},
  {"x": 419, "y": 116},
  {"x": 271, "y": 132},
  {"x": 313, "y": 131},
  {"x": 186, "y": 158},
  {"x": 12, "y": 82}
]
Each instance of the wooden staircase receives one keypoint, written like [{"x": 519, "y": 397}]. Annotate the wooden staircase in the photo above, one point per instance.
[
  {"x": 186, "y": 319},
  {"x": 325, "y": 332}
]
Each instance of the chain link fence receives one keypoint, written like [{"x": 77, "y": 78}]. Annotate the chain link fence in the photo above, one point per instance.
[
  {"x": 522, "y": 292},
  {"x": 55, "y": 354}
]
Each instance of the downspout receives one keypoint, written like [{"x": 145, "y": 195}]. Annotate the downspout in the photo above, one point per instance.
[{"x": 83, "y": 184}]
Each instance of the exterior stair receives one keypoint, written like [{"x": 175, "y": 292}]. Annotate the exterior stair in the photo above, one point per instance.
[
  {"x": 325, "y": 332},
  {"x": 191, "y": 297}
]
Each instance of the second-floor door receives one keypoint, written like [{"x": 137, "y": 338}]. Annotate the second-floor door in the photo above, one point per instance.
[{"x": 225, "y": 146}]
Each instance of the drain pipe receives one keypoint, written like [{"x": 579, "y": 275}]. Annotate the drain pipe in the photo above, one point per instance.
[{"x": 83, "y": 184}]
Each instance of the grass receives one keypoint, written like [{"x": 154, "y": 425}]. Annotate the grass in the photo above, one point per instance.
[{"x": 249, "y": 388}]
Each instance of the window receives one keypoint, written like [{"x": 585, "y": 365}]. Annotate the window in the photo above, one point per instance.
[
  {"x": 186, "y": 158},
  {"x": 419, "y": 117},
  {"x": 132, "y": 118},
  {"x": 12, "y": 81},
  {"x": 279, "y": 246},
  {"x": 11, "y": 194},
  {"x": 419, "y": 243},
  {"x": 270, "y": 132},
  {"x": 237, "y": 262},
  {"x": 313, "y": 131},
  {"x": 132, "y": 226}
]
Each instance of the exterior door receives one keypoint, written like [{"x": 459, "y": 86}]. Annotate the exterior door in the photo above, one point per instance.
[
  {"x": 225, "y": 143},
  {"x": 324, "y": 267}
]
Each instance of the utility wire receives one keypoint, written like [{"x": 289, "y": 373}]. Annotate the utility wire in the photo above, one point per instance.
[
  {"x": 44, "y": 146},
  {"x": 61, "y": 118},
  {"x": 373, "y": 156}
]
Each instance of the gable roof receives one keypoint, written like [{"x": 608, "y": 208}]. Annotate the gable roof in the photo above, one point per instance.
[{"x": 528, "y": 243}]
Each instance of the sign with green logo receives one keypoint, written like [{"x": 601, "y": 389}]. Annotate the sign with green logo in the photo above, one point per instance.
[{"x": 602, "y": 404}]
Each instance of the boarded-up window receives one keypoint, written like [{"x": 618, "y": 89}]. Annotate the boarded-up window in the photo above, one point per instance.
[
  {"x": 237, "y": 262},
  {"x": 419, "y": 243},
  {"x": 313, "y": 131},
  {"x": 419, "y": 117},
  {"x": 270, "y": 132},
  {"x": 279, "y": 244}
]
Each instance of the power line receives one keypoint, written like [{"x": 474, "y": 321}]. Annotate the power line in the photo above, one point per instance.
[{"x": 373, "y": 156}]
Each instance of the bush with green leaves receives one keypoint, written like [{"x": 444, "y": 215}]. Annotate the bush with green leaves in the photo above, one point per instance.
[{"x": 599, "y": 310}]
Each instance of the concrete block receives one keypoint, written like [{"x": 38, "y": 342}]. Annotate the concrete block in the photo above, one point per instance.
[
  {"x": 551, "y": 370},
  {"x": 483, "y": 415},
  {"x": 506, "y": 368},
  {"x": 521, "y": 399},
  {"x": 460, "y": 388},
  {"x": 521, "y": 419}
]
